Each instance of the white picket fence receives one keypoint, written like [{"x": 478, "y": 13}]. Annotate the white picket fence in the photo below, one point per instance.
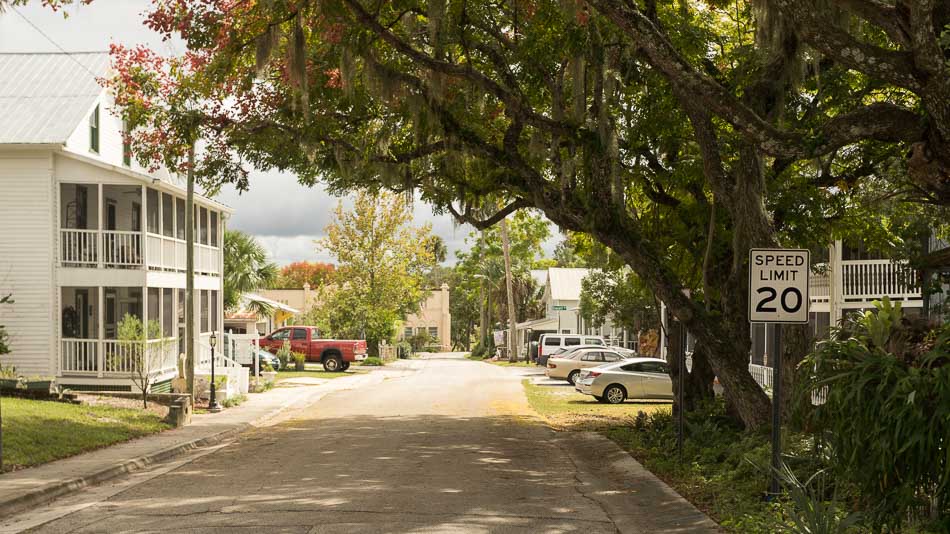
[{"x": 763, "y": 377}]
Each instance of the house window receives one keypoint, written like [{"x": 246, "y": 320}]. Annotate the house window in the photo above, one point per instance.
[
  {"x": 203, "y": 225},
  {"x": 94, "y": 130},
  {"x": 214, "y": 310},
  {"x": 126, "y": 144},
  {"x": 407, "y": 332},
  {"x": 168, "y": 310},
  {"x": 204, "y": 311},
  {"x": 168, "y": 215},
  {"x": 151, "y": 210},
  {"x": 154, "y": 309},
  {"x": 214, "y": 229},
  {"x": 434, "y": 332},
  {"x": 180, "y": 218}
]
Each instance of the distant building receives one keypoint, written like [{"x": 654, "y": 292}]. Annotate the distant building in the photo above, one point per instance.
[
  {"x": 434, "y": 318},
  {"x": 562, "y": 301}
]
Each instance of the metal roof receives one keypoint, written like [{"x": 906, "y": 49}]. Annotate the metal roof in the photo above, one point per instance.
[
  {"x": 45, "y": 96},
  {"x": 566, "y": 283}
]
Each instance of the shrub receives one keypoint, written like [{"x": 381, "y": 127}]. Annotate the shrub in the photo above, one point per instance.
[
  {"x": 886, "y": 420},
  {"x": 419, "y": 341},
  {"x": 236, "y": 400},
  {"x": 373, "y": 361},
  {"x": 283, "y": 354},
  {"x": 4, "y": 337}
]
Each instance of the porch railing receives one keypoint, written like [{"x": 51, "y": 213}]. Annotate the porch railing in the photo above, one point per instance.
[
  {"x": 866, "y": 279},
  {"x": 121, "y": 248},
  {"x": 79, "y": 356},
  {"x": 207, "y": 259},
  {"x": 79, "y": 247},
  {"x": 128, "y": 249},
  {"x": 819, "y": 286},
  {"x": 762, "y": 375},
  {"x": 110, "y": 357}
]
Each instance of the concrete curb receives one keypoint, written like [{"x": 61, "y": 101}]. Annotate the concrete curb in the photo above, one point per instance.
[
  {"x": 62, "y": 488},
  {"x": 658, "y": 507},
  {"x": 55, "y": 490}
]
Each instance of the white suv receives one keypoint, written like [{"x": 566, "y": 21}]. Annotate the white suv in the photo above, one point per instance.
[{"x": 549, "y": 343}]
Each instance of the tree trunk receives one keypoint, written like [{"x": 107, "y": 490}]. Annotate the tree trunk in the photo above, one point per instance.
[
  {"x": 724, "y": 337},
  {"x": 698, "y": 385},
  {"x": 482, "y": 315},
  {"x": 190, "y": 277},
  {"x": 796, "y": 343},
  {"x": 509, "y": 289}
]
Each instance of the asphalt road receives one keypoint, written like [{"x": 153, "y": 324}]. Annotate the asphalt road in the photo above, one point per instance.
[{"x": 450, "y": 447}]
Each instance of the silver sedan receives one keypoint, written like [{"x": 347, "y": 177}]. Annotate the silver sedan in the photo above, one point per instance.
[{"x": 636, "y": 378}]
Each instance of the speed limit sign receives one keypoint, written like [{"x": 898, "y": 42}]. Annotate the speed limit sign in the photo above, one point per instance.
[{"x": 778, "y": 285}]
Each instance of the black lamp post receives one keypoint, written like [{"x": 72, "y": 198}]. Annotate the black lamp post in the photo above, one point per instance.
[{"x": 213, "y": 406}]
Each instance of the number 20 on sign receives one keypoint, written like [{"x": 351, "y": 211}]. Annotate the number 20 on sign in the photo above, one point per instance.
[{"x": 778, "y": 285}]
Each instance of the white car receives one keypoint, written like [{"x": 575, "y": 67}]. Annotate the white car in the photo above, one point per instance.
[
  {"x": 569, "y": 366},
  {"x": 636, "y": 378}
]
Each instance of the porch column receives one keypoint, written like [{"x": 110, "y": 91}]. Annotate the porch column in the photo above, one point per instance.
[
  {"x": 836, "y": 282},
  {"x": 161, "y": 229},
  {"x": 144, "y": 231},
  {"x": 101, "y": 327}
]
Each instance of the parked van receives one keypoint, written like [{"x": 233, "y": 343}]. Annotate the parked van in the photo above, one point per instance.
[{"x": 549, "y": 343}]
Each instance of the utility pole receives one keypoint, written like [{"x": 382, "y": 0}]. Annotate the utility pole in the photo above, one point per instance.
[
  {"x": 512, "y": 319},
  {"x": 190, "y": 276}
]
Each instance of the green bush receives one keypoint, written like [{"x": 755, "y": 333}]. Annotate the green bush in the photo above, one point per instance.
[
  {"x": 484, "y": 349},
  {"x": 283, "y": 354},
  {"x": 420, "y": 340},
  {"x": 886, "y": 420},
  {"x": 373, "y": 361},
  {"x": 236, "y": 400}
]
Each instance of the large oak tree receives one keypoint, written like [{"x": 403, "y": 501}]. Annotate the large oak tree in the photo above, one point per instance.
[{"x": 679, "y": 136}]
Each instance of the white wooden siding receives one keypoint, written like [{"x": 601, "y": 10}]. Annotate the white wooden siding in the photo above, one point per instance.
[
  {"x": 27, "y": 205},
  {"x": 110, "y": 140}
]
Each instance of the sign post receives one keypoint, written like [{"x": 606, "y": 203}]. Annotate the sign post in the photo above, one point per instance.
[{"x": 778, "y": 294}]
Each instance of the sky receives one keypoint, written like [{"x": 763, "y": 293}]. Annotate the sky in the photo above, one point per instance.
[{"x": 285, "y": 216}]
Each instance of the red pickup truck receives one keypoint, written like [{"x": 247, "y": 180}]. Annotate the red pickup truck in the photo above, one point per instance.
[{"x": 334, "y": 354}]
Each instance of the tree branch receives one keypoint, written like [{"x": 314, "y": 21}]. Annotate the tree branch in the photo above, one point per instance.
[{"x": 482, "y": 224}]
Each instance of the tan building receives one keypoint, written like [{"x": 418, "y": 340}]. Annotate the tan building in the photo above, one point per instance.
[
  {"x": 433, "y": 318},
  {"x": 301, "y": 299}
]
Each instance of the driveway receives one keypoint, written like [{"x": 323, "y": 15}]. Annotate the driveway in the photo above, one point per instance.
[{"x": 450, "y": 447}]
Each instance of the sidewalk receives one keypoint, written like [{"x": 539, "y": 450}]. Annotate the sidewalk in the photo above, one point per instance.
[{"x": 35, "y": 486}]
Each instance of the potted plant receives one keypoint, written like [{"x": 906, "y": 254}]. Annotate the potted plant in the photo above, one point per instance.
[
  {"x": 39, "y": 383},
  {"x": 8, "y": 377},
  {"x": 300, "y": 361},
  {"x": 268, "y": 377}
]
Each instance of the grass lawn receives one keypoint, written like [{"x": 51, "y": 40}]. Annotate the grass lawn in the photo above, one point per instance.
[
  {"x": 567, "y": 409},
  {"x": 36, "y": 432}
]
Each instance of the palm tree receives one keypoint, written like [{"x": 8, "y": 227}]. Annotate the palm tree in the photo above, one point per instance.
[{"x": 246, "y": 267}]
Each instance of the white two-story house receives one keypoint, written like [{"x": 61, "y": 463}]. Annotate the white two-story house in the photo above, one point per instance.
[{"x": 87, "y": 235}]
